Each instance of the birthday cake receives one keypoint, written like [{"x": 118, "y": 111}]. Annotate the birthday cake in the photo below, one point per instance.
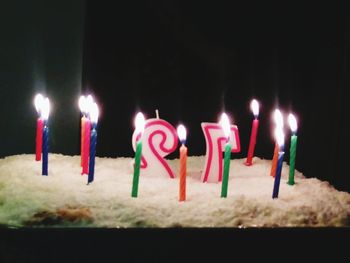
[{"x": 64, "y": 199}]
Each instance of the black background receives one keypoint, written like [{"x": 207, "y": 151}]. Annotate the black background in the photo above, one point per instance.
[{"x": 190, "y": 60}]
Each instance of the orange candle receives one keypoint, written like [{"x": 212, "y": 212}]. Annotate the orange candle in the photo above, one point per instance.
[
  {"x": 183, "y": 162},
  {"x": 274, "y": 161},
  {"x": 181, "y": 131},
  {"x": 278, "y": 118}
]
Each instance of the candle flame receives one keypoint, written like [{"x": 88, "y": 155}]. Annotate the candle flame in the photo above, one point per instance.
[
  {"x": 254, "y": 105},
  {"x": 278, "y": 118},
  {"x": 139, "y": 123},
  {"x": 225, "y": 124},
  {"x": 181, "y": 132},
  {"x": 45, "y": 109},
  {"x": 94, "y": 112},
  {"x": 279, "y": 136},
  {"x": 83, "y": 104},
  {"x": 292, "y": 122},
  {"x": 38, "y": 102}
]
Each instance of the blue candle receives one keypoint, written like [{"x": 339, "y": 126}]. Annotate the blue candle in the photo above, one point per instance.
[
  {"x": 93, "y": 141},
  {"x": 276, "y": 185},
  {"x": 45, "y": 149},
  {"x": 45, "y": 111},
  {"x": 280, "y": 141}
]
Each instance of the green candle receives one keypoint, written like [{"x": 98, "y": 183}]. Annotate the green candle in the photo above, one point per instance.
[
  {"x": 293, "y": 148},
  {"x": 140, "y": 126},
  {"x": 135, "y": 181},
  {"x": 227, "y": 160}
]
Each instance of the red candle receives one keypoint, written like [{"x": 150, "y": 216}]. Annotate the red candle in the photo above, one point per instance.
[
  {"x": 255, "y": 108},
  {"x": 181, "y": 131},
  {"x": 82, "y": 140},
  {"x": 39, "y": 138},
  {"x": 87, "y": 133},
  {"x": 38, "y": 103},
  {"x": 83, "y": 105}
]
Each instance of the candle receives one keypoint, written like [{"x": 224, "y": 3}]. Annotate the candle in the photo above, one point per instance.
[
  {"x": 158, "y": 140},
  {"x": 38, "y": 101},
  {"x": 181, "y": 131},
  {"x": 255, "y": 108},
  {"x": 280, "y": 140},
  {"x": 94, "y": 118},
  {"x": 293, "y": 147},
  {"x": 278, "y": 118},
  {"x": 225, "y": 123},
  {"x": 140, "y": 125},
  {"x": 83, "y": 109},
  {"x": 215, "y": 144},
  {"x": 87, "y": 135},
  {"x": 45, "y": 146}
]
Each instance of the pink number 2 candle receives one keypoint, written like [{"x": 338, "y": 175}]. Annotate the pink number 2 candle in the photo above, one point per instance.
[
  {"x": 158, "y": 140},
  {"x": 215, "y": 146}
]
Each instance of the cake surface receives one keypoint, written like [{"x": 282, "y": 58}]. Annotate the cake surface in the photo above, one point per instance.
[{"x": 63, "y": 199}]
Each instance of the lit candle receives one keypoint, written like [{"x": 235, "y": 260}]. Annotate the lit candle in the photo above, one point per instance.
[
  {"x": 94, "y": 118},
  {"x": 225, "y": 123},
  {"x": 45, "y": 147},
  {"x": 38, "y": 103},
  {"x": 280, "y": 140},
  {"x": 181, "y": 131},
  {"x": 87, "y": 137},
  {"x": 140, "y": 126},
  {"x": 255, "y": 108},
  {"x": 83, "y": 109},
  {"x": 293, "y": 147},
  {"x": 278, "y": 118}
]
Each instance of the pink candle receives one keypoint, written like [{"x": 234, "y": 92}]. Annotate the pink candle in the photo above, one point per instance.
[
  {"x": 86, "y": 148},
  {"x": 39, "y": 138},
  {"x": 87, "y": 104},
  {"x": 254, "y": 132},
  {"x": 38, "y": 103}
]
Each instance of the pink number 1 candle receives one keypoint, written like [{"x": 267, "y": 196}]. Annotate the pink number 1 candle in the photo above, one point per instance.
[
  {"x": 255, "y": 108},
  {"x": 215, "y": 144}
]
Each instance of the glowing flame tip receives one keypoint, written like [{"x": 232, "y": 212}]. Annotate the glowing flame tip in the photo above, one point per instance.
[
  {"x": 225, "y": 123},
  {"x": 181, "y": 132},
  {"x": 292, "y": 122},
  {"x": 139, "y": 123},
  {"x": 254, "y": 105}
]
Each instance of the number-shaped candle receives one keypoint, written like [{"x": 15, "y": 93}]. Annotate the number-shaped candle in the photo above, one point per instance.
[
  {"x": 158, "y": 140},
  {"x": 215, "y": 145}
]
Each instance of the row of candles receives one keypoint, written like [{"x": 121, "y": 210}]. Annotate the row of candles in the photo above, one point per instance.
[{"x": 153, "y": 139}]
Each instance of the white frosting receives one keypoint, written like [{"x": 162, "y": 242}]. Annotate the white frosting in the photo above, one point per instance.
[{"x": 25, "y": 193}]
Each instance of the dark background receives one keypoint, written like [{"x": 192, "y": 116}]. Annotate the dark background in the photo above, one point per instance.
[{"x": 191, "y": 61}]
